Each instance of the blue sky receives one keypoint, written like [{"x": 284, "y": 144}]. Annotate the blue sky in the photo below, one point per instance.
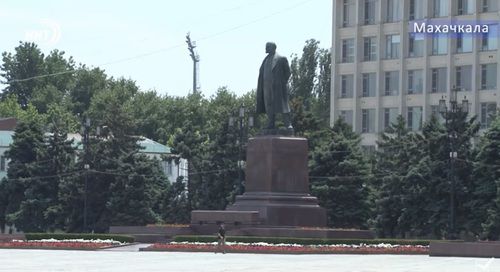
[{"x": 145, "y": 40}]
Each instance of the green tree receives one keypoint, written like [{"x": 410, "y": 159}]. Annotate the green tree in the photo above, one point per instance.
[
  {"x": 149, "y": 111},
  {"x": 136, "y": 192},
  {"x": 175, "y": 203},
  {"x": 322, "y": 90},
  {"x": 303, "y": 72},
  {"x": 344, "y": 189},
  {"x": 485, "y": 204},
  {"x": 29, "y": 194},
  {"x": 393, "y": 160},
  {"x": 59, "y": 164},
  {"x": 26, "y": 62},
  {"x": 88, "y": 82}
]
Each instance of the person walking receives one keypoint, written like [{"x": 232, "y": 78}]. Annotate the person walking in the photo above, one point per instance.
[{"x": 221, "y": 239}]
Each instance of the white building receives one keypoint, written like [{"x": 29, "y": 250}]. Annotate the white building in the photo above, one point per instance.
[{"x": 381, "y": 70}]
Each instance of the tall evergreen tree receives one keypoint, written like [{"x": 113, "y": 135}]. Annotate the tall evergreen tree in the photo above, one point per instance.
[
  {"x": 59, "y": 156},
  {"x": 135, "y": 193},
  {"x": 344, "y": 190},
  {"x": 393, "y": 160},
  {"x": 484, "y": 207},
  {"x": 175, "y": 205},
  {"x": 29, "y": 195}
]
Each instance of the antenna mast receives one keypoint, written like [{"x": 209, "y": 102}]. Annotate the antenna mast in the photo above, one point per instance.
[{"x": 196, "y": 59}]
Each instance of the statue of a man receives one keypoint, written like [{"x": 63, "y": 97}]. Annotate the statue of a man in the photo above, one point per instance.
[{"x": 272, "y": 88}]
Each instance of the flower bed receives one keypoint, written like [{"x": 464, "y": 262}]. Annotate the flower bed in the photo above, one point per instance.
[
  {"x": 291, "y": 248},
  {"x": 73, "y": 244}
]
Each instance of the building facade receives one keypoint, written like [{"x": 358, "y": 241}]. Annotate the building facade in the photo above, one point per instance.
[{"x": 381, "y": 69}]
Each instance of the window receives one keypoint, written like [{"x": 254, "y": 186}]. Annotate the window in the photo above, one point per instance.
[
  {"x": 416, "y": 10},
  {"x": 368, "y": 121},
  {"x": 2, "y": 163},
  {"x": 393, "y": 11},
  {"x": 416, "y": 46},
  {"x": 348, "y": 13},
  {"x": 369, "y": 12},
  {"x": 391, "y": 83},
  {"x": 440, "y": 8},
  {"x": 390, "y": 116},
  {"x": 465, "y": 7},
  {"x": 463, "y": 76},
  {"x": 346, "y": 115},
  {"x": 439, "y": 44},
  {"x": 489, "y": 5},
  {"x": 415, "y": 81},
  {"x": 439, "y": 80},
  {"x": 346, "y": 86},
  {"x": 464, "y": 43},
  {"x": 489, "y": 40},
  {"x": 488, "y": 112},
  {"x": 369, "y": 85},
  {"x": 489, "y": 76},
  {"x": 348, "y": 50},
  {"x": 370, "y": 49},
  {"x": 392, "y": 46},
  {"x": 414, "y": 118}
]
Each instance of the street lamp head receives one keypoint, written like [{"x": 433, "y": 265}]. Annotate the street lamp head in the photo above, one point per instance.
[
  {"x": 231, "y": 121},
  {"x": 250, "y": 121},
  {"x": 453, "y": 94},
  {"x": 465, "y": 105},
  {"x": 442, "y": 105},
  {"x": 242, "y": 112}
]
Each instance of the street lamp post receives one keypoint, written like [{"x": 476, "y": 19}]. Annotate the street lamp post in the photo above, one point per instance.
[
  {"x": 86, "y": 166},
  {"x": 243, "y": 125},
  {"x": 450, "y": 114}
]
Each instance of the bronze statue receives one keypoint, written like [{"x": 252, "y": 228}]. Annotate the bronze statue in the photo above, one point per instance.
[{"x": 272, "y": 88}]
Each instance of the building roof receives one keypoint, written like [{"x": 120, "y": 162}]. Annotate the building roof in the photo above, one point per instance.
[
  {"x": 8, "y": 123},
  {"x": 151, "y": 146},
  {"x": 148, "y": 145}
]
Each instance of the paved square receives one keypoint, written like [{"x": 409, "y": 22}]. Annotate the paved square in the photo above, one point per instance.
[{"x": 115, "y": 261}]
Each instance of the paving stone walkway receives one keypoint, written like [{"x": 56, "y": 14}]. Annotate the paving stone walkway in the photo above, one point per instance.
[{"x": 124, "y": 261}]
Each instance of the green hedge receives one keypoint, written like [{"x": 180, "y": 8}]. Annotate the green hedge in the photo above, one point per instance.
[
  {"x": 86, "y": 236},
  {"x": 300, "y": 241}
]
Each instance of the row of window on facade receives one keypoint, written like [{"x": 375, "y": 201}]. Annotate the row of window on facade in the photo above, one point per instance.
[
  {"x": 415, "y": 81},
  {"x": 463, "y": 44},
  {"x": 414, "y": 117},
  {"x": 392, "y": 10}
]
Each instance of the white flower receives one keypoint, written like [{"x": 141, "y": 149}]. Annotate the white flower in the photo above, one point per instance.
[{"x": 96, "y": 241}]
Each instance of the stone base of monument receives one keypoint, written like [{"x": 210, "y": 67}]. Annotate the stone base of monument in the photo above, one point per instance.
[
  {"x": 277, "y": 202},
  {"x": 322, "y": 233},
  {"x": 282, "y": 209}
]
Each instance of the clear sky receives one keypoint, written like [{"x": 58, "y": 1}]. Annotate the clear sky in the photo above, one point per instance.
[{"x": 145, "y": 40}]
